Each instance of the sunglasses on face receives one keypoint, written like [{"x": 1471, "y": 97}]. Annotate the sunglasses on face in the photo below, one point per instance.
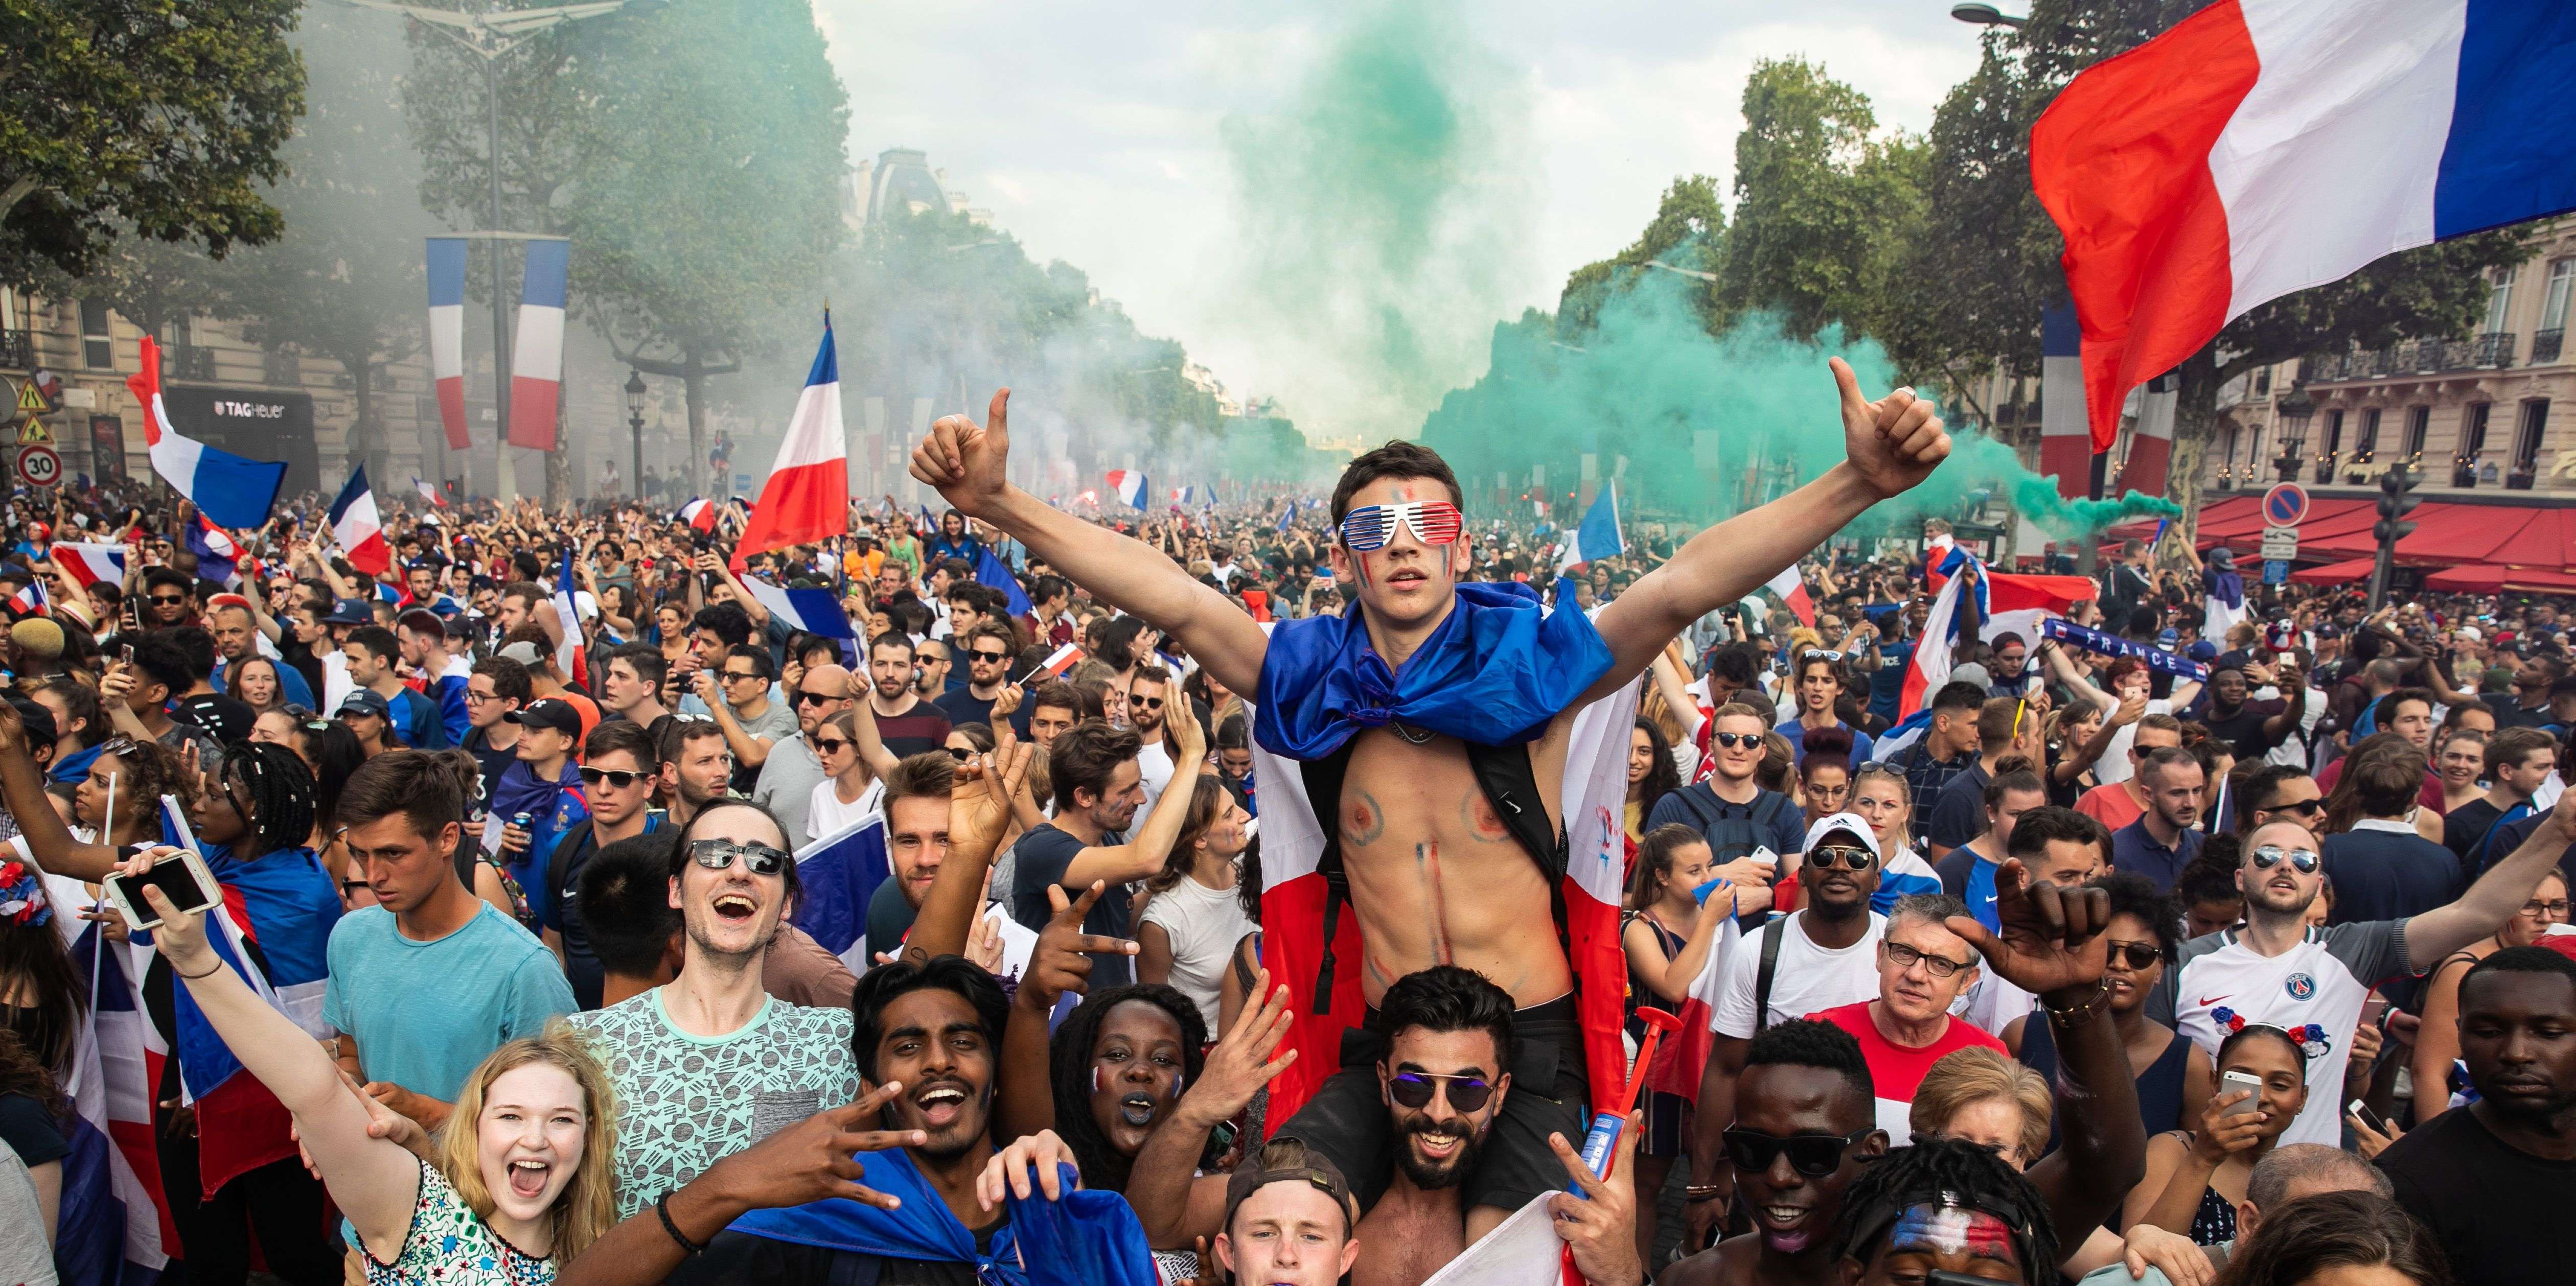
[
  {"x": 2304, "y": 807},
  {"x": 813, "y": 698},
  {"x": 739, "y": 676},
  {"x": 989, "y": 658},
  {"x": 1434, "y": 522},
  {"x": 2302, "y": 860},
  {"x": 1813, "y": 1155},
  {"x": 831, "y": 746},
  {"x": 1732, "y": 740},
  {"x": 167, "y": 601},
  {"x": 2139, "y": 955},
  {"x": 959, "y": 753},
  {"x": 1146, "y": 703},
  {"x": 718, "y": 854},
  {"x": 1414, "y": 1090},
  {"x": 1851, "y": 856},
  {"x": 616, "y": 777}
]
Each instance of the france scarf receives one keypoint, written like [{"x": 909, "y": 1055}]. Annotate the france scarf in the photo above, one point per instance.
[
  {"x": 1493, "y": 673},
  {"x": 1087, "y": 1239}
]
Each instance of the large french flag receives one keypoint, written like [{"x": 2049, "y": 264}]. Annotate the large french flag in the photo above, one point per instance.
[
  {"x": 815, "y": 611},
  {"x": 699, "y": 514},
  {"x": 115, "y": 1224},
  {"x": 1598, "y": 537},
  {"x": 447, "y": 335},
  {"x": 1594, "y": 793},
  {"x": 1129, "y": 485},
  {"x": 2264, "y": 146},
  {"x": 218, "y": 558},
  {"x": 89, "y": 562},
  {"x": 536, "y": 355},
  {"x": 354, "y": 525},
  {"x": 991, "y": 571},
  {"x": 1999, "y": 602},
  {"x": 570, "y": 653},
  {"x": 2065, "y": 447},
  {"x": 807, "y": 496},
  {"x": 838, "y": 874},
  {"x": 233, "y": 491}
]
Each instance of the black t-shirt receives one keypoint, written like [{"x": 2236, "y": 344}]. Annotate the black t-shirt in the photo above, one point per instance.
[
  {"x": 30, "y": 1131},
  {"x": 2496, "y": 1210},
  {"x": 2465, "y": 827},
  {"x": 2244, "y": 729},
  {"x": 1044, "y": 855},
  {"x": 495, "y": 761},
  {"x": 224, "y": 719},
  {"x": 962, "y": 706},
  {"x": 889, "y": 916}
]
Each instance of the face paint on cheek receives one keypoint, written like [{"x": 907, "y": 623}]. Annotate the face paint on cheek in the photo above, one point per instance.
[{"x": 1950, "y": 1230}]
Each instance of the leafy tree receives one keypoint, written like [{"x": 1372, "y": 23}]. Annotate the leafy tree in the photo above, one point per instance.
[
  {"x": 1689, "y": 223},
  {"x": 157, "y": 119},
  {"x": 1820, "y": 203},
  {"x": 1991, "y": 253}
]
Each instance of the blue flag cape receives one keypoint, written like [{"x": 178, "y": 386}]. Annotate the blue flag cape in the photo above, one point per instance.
[
  {"x": 1493, "y": 673},
  {"x": 1087, "y": 1239}
]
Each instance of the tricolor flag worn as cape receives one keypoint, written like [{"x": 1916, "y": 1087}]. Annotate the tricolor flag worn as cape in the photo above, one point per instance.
[
  {"x": 2185, "y": 173},
  {"x": 447, "y": 335},
  {"x": 355, "y": 528},
  {"x": 807, "y": 496},
  {"x": 234, "y": 491}
]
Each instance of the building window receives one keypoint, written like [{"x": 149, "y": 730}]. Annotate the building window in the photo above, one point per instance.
[
  {"x": 2553, "y": 307},
  {"x": 2500, "y": 299},
  {"x": 98, "y": 348},
  {"x": 2473, "y": 429},
  {"x": 2262, "y": 380},
  {"x": 2533, "y": 422},
  {"x": 2368, "y": 446},
  {"x": 2419, "y": 425}
]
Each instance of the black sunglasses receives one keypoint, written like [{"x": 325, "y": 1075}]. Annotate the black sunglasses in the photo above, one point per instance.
[
  {"x": 995, "y": 657},
  {"x": 1813, "y": 1155},
  {"x": 2140, "y": 955},
  {"x": 2304, "y": 807},
  {"x": 1829, "y": 856},
  {"x": 718, "y": 854},
  {"x": 616, "y": 777},
  {"x": 959, "y": 753},
  {"x": 1414, "y": 1090},
  {"x": 803, "y": 697},
  {"x": 831, "y": 745},
  {"x": 1731, "y": 740},
  {"x": 737, "y": 676},
  {"x": 167, "y": 601}
]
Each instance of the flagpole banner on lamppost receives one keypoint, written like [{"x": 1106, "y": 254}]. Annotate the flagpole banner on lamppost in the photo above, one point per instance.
[
  {"x": 447, "y": 335},
  {"x": 536, "y": 360}
]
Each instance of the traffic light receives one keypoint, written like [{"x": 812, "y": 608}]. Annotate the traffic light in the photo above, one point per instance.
[{"x": 2395, "y": 499}]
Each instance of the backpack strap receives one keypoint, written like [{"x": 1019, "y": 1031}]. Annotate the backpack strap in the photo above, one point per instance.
[
  {"x": 1772, "y": 933},
  {"x": 1324, "y": 794}
]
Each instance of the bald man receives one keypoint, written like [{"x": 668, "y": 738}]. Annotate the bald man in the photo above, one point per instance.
[{"x": 788, "y": 776}]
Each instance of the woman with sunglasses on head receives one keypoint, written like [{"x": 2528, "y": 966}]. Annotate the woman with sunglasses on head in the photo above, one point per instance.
[
  {"x": 2196, "y": 1178},
  {"x": 2437, "y": 1041}
]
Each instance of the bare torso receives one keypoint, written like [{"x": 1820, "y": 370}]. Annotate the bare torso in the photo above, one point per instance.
[
  {"x": 1436, "y": 877},
  {"x": 1405, "y": 1240}
]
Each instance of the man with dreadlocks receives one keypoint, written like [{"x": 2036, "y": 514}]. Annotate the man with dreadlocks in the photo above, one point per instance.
[{"x": 1945, "y": 1206}]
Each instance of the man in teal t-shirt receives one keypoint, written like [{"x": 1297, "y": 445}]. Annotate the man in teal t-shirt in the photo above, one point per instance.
[{"x": 432, "y": 979}]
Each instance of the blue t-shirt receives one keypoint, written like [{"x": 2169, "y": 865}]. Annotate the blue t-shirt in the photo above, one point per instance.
[{"x": 426, "y": 1013}]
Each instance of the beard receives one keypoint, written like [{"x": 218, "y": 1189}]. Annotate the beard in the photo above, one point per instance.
[{"x": 1428, "y": 1178}]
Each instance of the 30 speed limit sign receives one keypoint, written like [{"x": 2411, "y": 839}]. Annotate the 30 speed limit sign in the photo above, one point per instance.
[{"x": 39, "y": 466}]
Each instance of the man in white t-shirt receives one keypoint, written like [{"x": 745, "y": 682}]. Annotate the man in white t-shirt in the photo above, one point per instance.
[
  {"x": 1821, "y": 958},
  {"x": 2276, "y": 970},
  {"x": 1150, "y": 698}
]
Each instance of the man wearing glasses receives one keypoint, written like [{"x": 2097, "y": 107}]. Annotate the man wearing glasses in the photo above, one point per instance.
[
  {"x": 788, "y": 777},
  {"x": 988, "y": 671},
  {"x": 618, "y": 772},
  {"x": 1922, "y": 968},
  {"x": 2311, "y": 982},
  {"x": 1803, "y": 1127},
  {"x": 736, "y": 693}
]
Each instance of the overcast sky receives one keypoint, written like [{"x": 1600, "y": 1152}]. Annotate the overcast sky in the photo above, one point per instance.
[{"x": 1091, "y": 130}]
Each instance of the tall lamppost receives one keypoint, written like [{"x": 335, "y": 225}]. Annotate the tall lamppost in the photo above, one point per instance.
[
  {"x": 635, "y": 421},
  {"x": 490, "y": 36}
]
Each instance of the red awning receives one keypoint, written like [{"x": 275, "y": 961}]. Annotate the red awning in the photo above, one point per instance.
[
  {"x": 2490, "y": 578},
  {"x": 2344, "y": 573}
]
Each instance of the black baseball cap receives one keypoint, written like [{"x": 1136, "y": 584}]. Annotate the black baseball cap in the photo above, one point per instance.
[
  {"x": 548, "y": 713},
  {"x": 366, "y": 701},
  {"x": 1318, "y": 1172}
]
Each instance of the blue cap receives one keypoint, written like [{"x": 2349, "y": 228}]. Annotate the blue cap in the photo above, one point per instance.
[{"x": 2168, "y": 638}]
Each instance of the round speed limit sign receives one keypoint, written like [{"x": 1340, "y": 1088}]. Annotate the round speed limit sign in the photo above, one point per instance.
[{"x": 39, "y": 466}]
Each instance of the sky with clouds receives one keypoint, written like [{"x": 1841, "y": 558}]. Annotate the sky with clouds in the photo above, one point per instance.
[{"x": 1094, "y": 131}]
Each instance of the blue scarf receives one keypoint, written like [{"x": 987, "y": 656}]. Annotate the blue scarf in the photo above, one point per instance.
[
  {"x": 75, "y": 766},
  {"x": 1087, "y": 1239},
  {"x": 1493, "y": 673}
]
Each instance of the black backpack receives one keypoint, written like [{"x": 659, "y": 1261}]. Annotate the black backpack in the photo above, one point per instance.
[{"x": 1731, "y": 837}]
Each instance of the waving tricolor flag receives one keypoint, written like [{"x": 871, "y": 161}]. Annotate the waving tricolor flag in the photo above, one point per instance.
[
  {"x": 1792, "y": 591},
  {"x": 569, "y": 653},
  {"x": 218, "y": 558},
  {"x": 699, "y": 514},
  {"x": 1129, "y": 485},
  {"x": 447, "y": 335},
  {"x": 536, "y": 356},
  {"x": 89, "y": 562},
  {"x": 234, "y": 491},
  {"x": 114, "y": 1224},
  {"x": 1999, "y": 602},
  {"x": 354, "y": 525},
  {"x": 807, "y": 496},
  {"x": 2184, "y": 173},
  {"x": 815, "y": 611},
  {"x": 1599, "y": 536},
  {"x": 428, "y": 492},
  {"x": 31, "y": 601}
]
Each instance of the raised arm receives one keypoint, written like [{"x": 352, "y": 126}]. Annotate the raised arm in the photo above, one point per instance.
[
  {"x": 979, "y": 808},
  {"x": 2495, "y": 897},
  {"x": 1145, "y": 854},
  {"x": 966, "y": 462},
  {"x": 1889, "y": 446},
  {"x": 22, "y": 790},
  {"x": 1172, "y": 1206}
]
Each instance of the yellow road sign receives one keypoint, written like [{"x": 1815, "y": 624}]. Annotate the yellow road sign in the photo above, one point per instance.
[
  {"x": 34, "y": 433},
  {"x": 31, "y": 401}
]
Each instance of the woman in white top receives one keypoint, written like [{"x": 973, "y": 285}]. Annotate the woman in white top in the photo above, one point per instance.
[
  {"x": 851, "y": 789},
  {"x": 519, "y": 1181},
  {"x": 1192, "y": 918}
]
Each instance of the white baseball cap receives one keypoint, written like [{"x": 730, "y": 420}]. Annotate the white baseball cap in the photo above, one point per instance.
[{"x": 1853, "y": 823}]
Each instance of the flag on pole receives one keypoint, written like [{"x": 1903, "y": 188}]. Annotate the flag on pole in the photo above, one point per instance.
[
  {"x": 536, "y": 354},
  {"x": 1792, "y": 591},
  {"x": 232, "y": 490},
  {"x": 218, "y": 558},
  {"x": 2000, "y": 602},
  {"x": 32, "y": 601},
  {"x": 89, "y": 562},
  {"x": 2184, "y": 173},
  {"x": 807, "y": 496},
  {"x": 1061, "y": 660},
  {"x": 699, "y": 514},
  {"x": 355, "y": 528},
  {"x": 1599, "y": 536},
  {"x": 814, "y": 611},
  {"x": 1129, "y": 485},
  {"x": 992, "y": 571},
  {"x": 2065, "y": 446},
  {"x": 447, "y": 335},
  {"x": 428, "y": 492},
  {"x": 114, "y": 1224}
]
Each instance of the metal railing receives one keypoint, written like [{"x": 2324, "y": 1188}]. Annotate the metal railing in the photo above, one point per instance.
[
  {"x": 2544, "y": 346},
  {"x": 18, "y": 349},
  {"x": 2419, "y": 357},
  {"x": 2495, "y": 348}
]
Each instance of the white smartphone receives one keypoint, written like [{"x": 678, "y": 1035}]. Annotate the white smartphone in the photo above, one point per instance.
[
  {"x": 2367, "y": 1117},
  {"x": 183, "y": 879},
  {"x": 2247, "y": 1081}
]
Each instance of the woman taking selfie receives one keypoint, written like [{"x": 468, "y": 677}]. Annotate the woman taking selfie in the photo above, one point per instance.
[{"x": 2196, "y": 1179}]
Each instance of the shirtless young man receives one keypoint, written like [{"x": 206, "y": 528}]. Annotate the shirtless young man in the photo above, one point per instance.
[{"x": 1415, "y": 830}]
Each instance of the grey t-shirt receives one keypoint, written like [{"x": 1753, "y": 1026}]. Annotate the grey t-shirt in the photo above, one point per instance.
[
  {"x": 25, "y": 1255},
  {"x": 777, "y": 723},
  {"x": 786, "y": 785}
]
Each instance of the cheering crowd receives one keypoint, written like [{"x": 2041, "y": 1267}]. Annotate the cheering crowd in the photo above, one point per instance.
[{"x": 1283, "y": 893}]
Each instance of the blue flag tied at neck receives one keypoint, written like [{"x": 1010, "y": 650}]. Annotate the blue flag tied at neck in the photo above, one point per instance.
[
  {"x": 1493, "y": 673},
  {"x": 1087, "y": 1239}
]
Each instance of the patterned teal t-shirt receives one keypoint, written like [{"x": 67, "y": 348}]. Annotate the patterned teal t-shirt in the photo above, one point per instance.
[{"x": 684, "y": 1102}]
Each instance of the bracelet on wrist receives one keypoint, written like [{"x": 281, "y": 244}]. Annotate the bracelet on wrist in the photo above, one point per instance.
[
  {"x": 662, "y": 1207},
  {"x": 2082, "y": 1010},
  {"x": 192, "y": 977}
]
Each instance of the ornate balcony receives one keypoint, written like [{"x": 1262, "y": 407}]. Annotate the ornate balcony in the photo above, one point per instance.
[
  {"x": 17, "y": 350},
  {"x": 2494, "y": 349},
  {"x": 2544, "y": 346}
]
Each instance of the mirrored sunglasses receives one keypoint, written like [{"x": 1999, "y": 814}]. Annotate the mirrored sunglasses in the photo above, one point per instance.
[
  {"x": 719, "y": 854},
  {"x": 1434, "y": 522},
  {"x": 1414, "y": 1090},
  {"x": 2302, "y": 860}
]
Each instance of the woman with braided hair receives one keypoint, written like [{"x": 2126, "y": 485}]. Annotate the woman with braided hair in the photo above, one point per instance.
[
  {"x": 1944, "y": 1205},
  {"x": 1119, "y": 1063}
]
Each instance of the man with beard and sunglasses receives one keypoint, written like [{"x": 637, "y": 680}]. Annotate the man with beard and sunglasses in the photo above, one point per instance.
[
  {"x": 618, "y": 772},
  {"x": 2274, "y": 969},
  {"x": 707, "y": 1063}
]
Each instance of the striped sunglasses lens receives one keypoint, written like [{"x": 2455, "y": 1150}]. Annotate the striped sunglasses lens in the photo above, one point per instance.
[{"x": 1434, "y": 522}]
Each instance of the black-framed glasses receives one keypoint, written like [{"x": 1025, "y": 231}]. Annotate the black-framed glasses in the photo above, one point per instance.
[
  {"x": 719, "y": 854},
  {"x": 2139, "y": 955},
  {"x": 1829, "y": 856},
  {"x": 831, "y": 745},
  {"x": 1905, "y": 957},
  {"x": 2303, "y": 807},
  {"x": 804, "y": 698},
  {"x": 2302, "y": 860},
  {"x": 617, "y": 777},
  {"x": 2535, "y": 906},
  {"x": 990, "y": 658},
  {"x": 1813, "y": 1155},
  {"x": 1146, "y": 703},
  {"x": 1413, "y": 1090},
  {"x": 1732, "y": 740}
]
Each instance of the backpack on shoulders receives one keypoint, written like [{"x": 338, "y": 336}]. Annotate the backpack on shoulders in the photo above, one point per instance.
[{"x": 1732, "y": 837}]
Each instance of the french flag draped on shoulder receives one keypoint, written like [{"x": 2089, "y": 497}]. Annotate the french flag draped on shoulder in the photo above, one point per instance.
[
  {"x": 234, "y": 491},
  {"x": 2186, "y": 174},
  {"x": 815, "y": 611},
  {"x": 447, "y": 335},
  {"x": 356, "y": 529},
  {"x": 89, "y": 562},
  {"x": 536, "y": 355},
  {"x": 114, "y": 1224},
  {"x": 1599, "y": 536},
  {"x": 807, "y": 496},
  {"x": 838, "y": 874}
]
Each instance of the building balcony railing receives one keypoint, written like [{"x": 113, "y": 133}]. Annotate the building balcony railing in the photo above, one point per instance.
[
  {"x": 18, "y": 350},
  {"x": 190, "y": 362},
  {"x": 2494, "y": 349},
  {"x": 2544, "y": 346},
  {"x": 2421, "y": 357},
  {"x": 2325, "y": 468}
]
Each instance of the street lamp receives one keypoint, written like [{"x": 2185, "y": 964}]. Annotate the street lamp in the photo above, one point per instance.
[
  {"x": 1979, "y": 14},
  {"x": 635, "y": 421},
  {"x": 491, "y": 36}
]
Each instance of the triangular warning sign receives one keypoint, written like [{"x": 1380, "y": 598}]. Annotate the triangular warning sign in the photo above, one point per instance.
[
  {"x": 31, "y": 400},
  {"x": 34, "y": 433}
]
